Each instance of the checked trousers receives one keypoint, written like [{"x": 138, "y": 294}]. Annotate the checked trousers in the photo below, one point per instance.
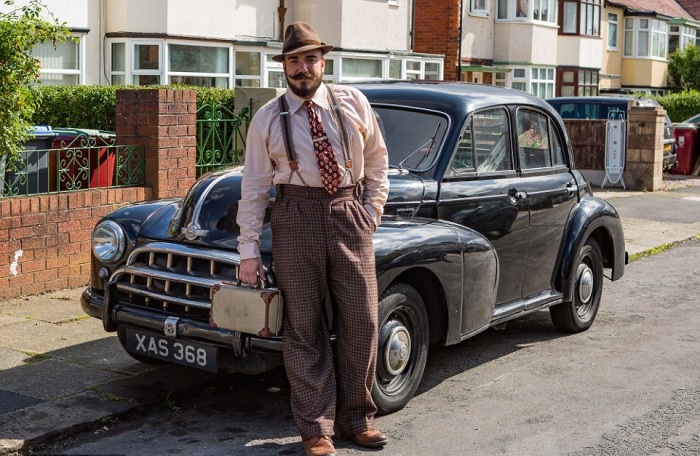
[{"x": 322, "y": 242}]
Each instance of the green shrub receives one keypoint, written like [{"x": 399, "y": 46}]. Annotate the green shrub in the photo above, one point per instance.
[
  {"x": 681, "y": 105},
  {"x": 93, "y": 106}
]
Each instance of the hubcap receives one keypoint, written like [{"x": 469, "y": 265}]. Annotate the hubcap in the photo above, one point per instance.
[
  {"x": 585, "y": 283},
  {"x": 397, "y": 350}
]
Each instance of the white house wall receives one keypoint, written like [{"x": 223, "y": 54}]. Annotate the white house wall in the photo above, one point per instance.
[
  {"x": 478, "y": 37},
  {"x": 579, "y": 52},
  {"x": 356, "y": 24},
  {"x": 525, "y": 43}
]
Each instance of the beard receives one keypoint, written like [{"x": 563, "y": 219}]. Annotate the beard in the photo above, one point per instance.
[{"x": 304, "y": 85}]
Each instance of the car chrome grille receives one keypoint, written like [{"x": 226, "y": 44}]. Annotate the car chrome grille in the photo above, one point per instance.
[{"x": 175, "y": 278}]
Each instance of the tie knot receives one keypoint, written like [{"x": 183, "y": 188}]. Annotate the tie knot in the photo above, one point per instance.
[{"x": 309, "y": 105}]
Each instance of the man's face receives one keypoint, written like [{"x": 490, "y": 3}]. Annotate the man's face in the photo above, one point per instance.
[{"x": 304, "y": 72}]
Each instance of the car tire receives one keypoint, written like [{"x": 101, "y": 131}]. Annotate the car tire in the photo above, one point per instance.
[
  {"x": 121, "y": 335},
  {"x": 579, "y": 314},
  {"x": 403, "y": 347}
]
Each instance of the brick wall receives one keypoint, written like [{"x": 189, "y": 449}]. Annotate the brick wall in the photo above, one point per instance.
[
  {"x": 644, "y": 155},
  {"x": 436, "y": 31},
  {"x": 45, "y": 239}
]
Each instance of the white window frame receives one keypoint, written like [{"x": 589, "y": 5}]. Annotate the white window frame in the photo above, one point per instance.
[
  {"x": 131, "y": 62},
  {"x": 480, "y": 8},
  {"x": 169, "y": 74},
  {"x": 656, "y": 32},
  {"x": 261, "y": 77},
  {"x": 511, "y": 11},
  {"x": 613, "y": 19},
  {"x": 80, "y": 71}
]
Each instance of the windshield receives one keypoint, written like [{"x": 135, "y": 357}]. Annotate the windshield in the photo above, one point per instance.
[{"x": 413, "y": 138}]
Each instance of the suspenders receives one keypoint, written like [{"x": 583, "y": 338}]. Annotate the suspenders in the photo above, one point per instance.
[{"x": 289, "y": 144}]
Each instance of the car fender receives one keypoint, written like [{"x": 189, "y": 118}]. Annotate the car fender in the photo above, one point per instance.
[
  {"x": 591, "y": 217},
  {"x": 463, "y": 262}
]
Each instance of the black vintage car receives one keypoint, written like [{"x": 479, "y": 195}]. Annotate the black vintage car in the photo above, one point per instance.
[{"x": 487, "y": 220}]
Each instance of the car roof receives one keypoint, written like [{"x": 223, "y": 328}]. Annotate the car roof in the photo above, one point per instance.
[{"x": 454, "y": 98}]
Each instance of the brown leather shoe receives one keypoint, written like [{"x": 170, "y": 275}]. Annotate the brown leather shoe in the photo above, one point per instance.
[
  {"x": 319, "y": 446},
  {"x": 370, "y": 439}
]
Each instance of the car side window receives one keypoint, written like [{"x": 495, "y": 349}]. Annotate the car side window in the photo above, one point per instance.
[
  {"x": 533, "y": 139},
  {"x": 557, "y": 148},
  {"x": 483, "y": 146}
]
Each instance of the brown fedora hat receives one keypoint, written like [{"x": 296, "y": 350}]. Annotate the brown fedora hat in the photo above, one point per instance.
[{"x": 300, "y": 37}]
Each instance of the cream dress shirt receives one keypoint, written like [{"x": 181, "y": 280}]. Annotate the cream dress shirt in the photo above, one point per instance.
[{"x": 266, "y": 160}]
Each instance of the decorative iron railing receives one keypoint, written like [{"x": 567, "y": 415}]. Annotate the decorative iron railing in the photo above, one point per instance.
[
  {"x": 220, "y": 136},
  {"x": 78, "y": 163}
]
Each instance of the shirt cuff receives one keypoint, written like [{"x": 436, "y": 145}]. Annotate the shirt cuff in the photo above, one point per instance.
[{"x": 250, "y": 250}]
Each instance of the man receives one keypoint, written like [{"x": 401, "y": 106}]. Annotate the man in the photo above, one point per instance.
[{"x": 332, "y": 184}]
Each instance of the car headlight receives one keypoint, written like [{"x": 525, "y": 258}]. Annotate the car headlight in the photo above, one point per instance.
[{"x": 108, "y": 242}]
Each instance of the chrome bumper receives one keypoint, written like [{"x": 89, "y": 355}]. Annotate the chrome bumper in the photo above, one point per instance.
[{"x": 92, "y": 302}]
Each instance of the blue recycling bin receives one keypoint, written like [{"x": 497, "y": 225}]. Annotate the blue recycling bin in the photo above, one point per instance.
[{"x": 31, "y": 171}]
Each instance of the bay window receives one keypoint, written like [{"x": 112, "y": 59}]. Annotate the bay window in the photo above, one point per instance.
[
  {"x": 536, "y": 10},
  {"x": 645, "y": 38},
  {"x": 580, "y": 17}
]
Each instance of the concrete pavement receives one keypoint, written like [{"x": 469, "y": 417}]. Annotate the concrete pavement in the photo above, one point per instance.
[{"x": 60, "y": 373}]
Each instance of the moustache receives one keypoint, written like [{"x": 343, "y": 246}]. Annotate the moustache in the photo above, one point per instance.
[{"x": 306, "y": 75}]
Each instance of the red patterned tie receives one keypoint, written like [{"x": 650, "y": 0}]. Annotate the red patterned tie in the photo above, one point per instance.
[{"x": 328, "y": 165}]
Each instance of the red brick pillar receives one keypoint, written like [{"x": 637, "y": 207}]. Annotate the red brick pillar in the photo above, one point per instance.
[{"x": 163, "y": 120}]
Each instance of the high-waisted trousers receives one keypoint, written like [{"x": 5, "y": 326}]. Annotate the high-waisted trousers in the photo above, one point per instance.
[{"x": 323, "y": 242}]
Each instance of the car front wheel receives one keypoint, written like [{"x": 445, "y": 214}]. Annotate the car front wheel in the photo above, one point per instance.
[
  {"x": 403, "y": 347},
  {"x": 578, "y": 315}
]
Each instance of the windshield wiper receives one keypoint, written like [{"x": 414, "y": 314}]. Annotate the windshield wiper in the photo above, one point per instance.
[{"x": 429, "y": 144}]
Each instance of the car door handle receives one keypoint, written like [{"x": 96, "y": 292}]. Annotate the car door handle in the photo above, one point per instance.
[
  {"x": 516, "y": 196},
  {"x": 571, "y": 189}
]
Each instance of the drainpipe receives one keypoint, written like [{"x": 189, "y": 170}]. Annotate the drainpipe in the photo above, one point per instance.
[
  {"x": 281, "y": 12},
  {"x": 459, "y": 49}
]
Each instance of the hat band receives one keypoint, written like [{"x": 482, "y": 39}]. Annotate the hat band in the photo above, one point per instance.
[{"x": 301, "y": 43}]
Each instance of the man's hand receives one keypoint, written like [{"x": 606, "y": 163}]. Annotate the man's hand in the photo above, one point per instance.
[{"x": 251, "y": 271}]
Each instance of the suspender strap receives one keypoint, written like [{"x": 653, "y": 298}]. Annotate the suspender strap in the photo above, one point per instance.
[
  {"x": 341, "y": 127},
  {"x": 284, "y": 120},
  {"x": 289, "y": 145}
]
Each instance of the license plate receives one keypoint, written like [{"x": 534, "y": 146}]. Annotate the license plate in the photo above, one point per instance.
[{"x": 176, "y": 351}]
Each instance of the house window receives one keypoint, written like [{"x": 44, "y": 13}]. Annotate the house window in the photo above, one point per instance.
[
  {"x": 537, "y": 10},
  {"x": 361, "y": 68},
  {"x": 248, "y": 71},
  {"x": 432, "y": 71},
  {"x": 581, "y": 17},
  {"x": 612, "y": 31},
  {"x": 542, "y": 82},
  {"x": 413, "y": 70},
  {"x": 519, "y": 80},
  {"x": 680, "y": 37},
  {"x": 146, "y": 68},
  {"x": 59, "y": 66},
  {"x": 645, "y": 38},
  {"x": 394, "y": 69},
  {"x": 118, "y": 63},
  {"x": 577, "y": 82},
  {"x": 204, "y": 66},
  {"x": 479, "y": 7}
]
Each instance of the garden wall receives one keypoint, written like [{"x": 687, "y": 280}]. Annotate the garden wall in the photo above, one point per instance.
[{"x": 45, "y": 239}]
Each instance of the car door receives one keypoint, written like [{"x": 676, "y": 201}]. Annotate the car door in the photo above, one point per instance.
[
  {"x": 551, "y": 194},
  {"x": 482, "y": 190}
]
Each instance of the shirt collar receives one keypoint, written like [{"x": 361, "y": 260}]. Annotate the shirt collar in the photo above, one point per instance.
[{"x": 320, "y": 98}]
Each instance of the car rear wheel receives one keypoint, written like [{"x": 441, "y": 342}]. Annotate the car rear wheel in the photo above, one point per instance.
[
  {"x": 403, "y": 347},
  {"x": 121, "y": 335},
  {"x": 578, "y": 315}
]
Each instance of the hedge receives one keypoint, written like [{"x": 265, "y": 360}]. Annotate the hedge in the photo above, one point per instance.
[
  {"x": 93, "y": 106},
  {"x": 682, "y": 105}
]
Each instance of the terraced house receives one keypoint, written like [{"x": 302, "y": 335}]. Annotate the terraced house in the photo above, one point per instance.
[{"x": 545, "y": 47}]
